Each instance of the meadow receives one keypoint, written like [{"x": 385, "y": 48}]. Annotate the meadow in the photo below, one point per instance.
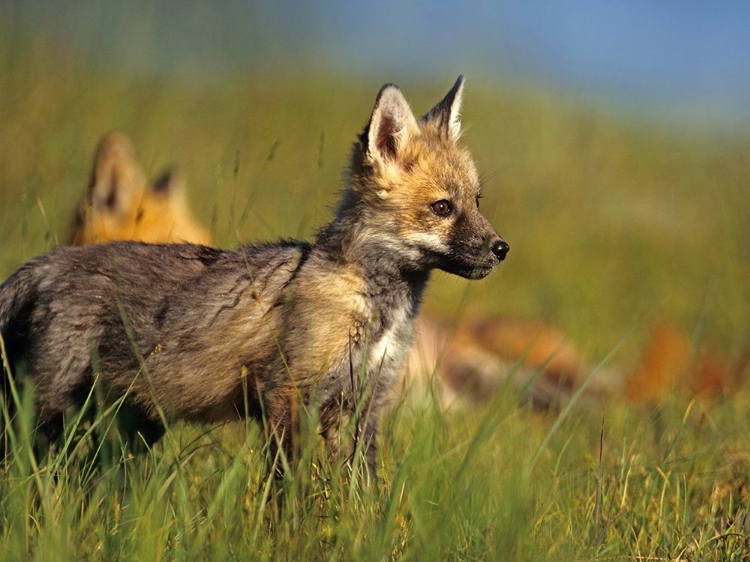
[{"x": 614, "y": 223}]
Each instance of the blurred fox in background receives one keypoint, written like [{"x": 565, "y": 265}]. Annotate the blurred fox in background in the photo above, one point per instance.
[
  {"x": 470, "y": 362},
  {"x": 671, "y": 362},
  {"x": 121, "y": 204},
  {"x": 466, "y": 363}
]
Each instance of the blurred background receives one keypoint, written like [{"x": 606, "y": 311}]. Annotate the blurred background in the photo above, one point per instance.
[{"x": 612, "y": 137}]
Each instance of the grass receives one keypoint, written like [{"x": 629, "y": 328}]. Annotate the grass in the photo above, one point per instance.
[
  {"x": 612, "y": 222},
  {"x": 503, "y": 483}
]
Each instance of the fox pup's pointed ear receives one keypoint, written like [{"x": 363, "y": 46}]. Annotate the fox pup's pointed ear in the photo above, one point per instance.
[
  {"x": 391, "y": 125},
  {"x": 117, "y": 179},
  {"x": 446, "y": 113}
]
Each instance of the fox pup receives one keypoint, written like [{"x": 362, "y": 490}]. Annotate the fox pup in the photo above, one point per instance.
[{"x": 271, "y": 331}]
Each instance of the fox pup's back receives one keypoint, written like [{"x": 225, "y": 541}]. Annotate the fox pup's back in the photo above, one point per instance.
[{"x": 180, "y": 340}]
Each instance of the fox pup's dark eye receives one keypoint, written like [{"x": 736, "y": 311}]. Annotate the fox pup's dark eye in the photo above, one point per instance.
[
  {"x": 442, "y": 208},
  {"x": 478, "y": 198}
]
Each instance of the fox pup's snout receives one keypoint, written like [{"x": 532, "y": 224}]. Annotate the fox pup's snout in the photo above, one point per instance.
[
  {"x": 477, "y": 262},
  {"x": 474, "y": 246}
]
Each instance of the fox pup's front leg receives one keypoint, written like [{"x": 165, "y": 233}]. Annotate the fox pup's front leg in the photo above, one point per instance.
[
  {"x": 350, "y": 430},
  {"x": 283, "y": 427}
]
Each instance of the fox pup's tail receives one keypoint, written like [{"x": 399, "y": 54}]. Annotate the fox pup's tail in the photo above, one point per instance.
[{"x": 16, "y": 296}]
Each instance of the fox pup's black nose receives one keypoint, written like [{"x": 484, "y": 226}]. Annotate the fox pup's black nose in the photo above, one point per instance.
[{"x": 500, "y": 248}]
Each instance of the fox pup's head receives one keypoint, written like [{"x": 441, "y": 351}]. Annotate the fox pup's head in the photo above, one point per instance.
[
  {"x": 121, "y": 204},
  {"x": 414, "y": 191}
]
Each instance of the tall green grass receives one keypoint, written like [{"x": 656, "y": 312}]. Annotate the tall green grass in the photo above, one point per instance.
[
  {"x": 500, "y": 483},
  {"x": 612, "y": 223}
]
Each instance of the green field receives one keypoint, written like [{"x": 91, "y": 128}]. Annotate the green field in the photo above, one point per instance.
[{"x": 614, "y": 223}]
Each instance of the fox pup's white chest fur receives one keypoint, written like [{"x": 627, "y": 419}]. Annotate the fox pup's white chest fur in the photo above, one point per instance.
[{"x": 386, "y": 353}]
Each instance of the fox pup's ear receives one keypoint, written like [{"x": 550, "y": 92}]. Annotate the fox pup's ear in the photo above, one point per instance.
[
  {"x": 391, "y": 125},
  {"x": 445, "y": 115},
  {"x": 117, "y": 179}
]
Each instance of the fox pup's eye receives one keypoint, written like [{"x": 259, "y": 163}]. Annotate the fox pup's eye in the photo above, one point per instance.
[
  {"x": 442, "y": 208},
  {"x": 478, "y": 198}
]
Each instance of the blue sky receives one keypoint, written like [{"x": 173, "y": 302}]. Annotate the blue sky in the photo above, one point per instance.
[{"x": 689, "y": 60}]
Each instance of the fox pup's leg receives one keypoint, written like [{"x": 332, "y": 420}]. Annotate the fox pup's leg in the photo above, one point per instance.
[
  {"x": 333, "y": 425},
  {"x": 49, "y": 428},
  {"x": 138, "y": 428},
  {"x": 283, "y": 427},
  {"x": 337, "y": 424},
  {"x": 367, "y": 440},
  {"x": 52, "y": 401}
]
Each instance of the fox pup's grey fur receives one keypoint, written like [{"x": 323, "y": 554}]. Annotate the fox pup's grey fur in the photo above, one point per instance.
[{"x": 269, "y": 330}]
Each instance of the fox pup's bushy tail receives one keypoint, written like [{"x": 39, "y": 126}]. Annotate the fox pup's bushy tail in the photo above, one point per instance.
[
  {"x": 16, "y": 296},
  {"x": 16, "y": 293}
]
